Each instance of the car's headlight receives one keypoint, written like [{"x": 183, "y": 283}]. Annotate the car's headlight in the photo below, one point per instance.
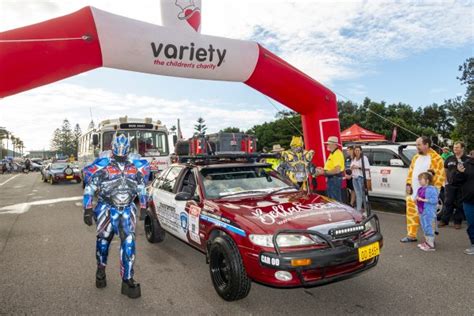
[
  {"x": 368, "y": 227},
  {"x": 262, "y": 240},
  {"x": 283, "y": 240}
]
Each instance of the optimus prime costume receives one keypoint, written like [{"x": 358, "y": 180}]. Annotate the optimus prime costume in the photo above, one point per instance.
[
  {"x": 296, "y": 164},
  {"x": 116, "y": 177}
]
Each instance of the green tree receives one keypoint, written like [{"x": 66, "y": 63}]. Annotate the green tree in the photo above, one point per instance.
[
  {"x": 200, "y": 127},
  {"x": 77, "y": 133},
  {"x": 462, "y": 108},
  {"x": 231, "y": 129},
  {"x": 63, "y": 141},
  {"x": 279, "y": 131}
]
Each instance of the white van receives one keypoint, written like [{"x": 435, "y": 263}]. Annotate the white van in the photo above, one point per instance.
[{"x": 389, "y": 163}]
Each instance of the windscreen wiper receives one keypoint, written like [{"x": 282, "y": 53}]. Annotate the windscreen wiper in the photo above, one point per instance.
[
  {"x": 279, "y": 190},
  {"x": 241, "y": 192}
]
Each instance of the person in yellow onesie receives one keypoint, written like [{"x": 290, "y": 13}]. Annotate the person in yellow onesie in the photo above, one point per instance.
[{"x": 426, "y": 159}]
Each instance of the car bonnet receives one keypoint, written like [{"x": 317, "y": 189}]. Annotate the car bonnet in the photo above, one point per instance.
[{"x": 288, "y": 211}]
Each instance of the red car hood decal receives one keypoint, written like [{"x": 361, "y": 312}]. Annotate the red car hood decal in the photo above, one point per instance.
[{"x": 287, "y": 211}]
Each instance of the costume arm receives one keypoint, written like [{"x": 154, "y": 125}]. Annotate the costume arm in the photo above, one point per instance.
[
  {"x": 440, "y": 173},
  {"x": 410, "y": 170},
  {"x": 89, "y": 192},
  {"x": 431, "y": 195},
  {"x": 142, "y": 177},
  {"x": 92, "y": 174}
]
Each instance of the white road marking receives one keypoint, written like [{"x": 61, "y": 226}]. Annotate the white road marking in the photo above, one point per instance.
[
  {"x": 25, "y": 207},
  {"x": 9, "y": 180}
]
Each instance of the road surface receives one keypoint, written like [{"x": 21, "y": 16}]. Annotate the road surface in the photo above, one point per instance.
[{"x": 47, "y": 266}]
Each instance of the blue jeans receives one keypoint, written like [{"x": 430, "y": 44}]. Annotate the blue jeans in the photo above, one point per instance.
[
  {"x": 359, "y": 191},
  {"x": 334, "y": 188},
  {"x": 469, "y": 213}
]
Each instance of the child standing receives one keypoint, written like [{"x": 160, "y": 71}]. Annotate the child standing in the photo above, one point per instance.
[{"x": 427, "y": 201}]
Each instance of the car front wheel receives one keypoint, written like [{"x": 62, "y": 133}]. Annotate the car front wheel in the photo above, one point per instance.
[
  {"x": 228, "y": 273},
  {"x": 153, "y": 231}
]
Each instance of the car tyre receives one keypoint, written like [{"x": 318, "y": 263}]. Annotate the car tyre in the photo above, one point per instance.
[
  {"x": 51, "y": 181},
  {"x": 227, "y": 270},
  {"x": 78, "y": 180},
  {"x": 154, "y": 233}
]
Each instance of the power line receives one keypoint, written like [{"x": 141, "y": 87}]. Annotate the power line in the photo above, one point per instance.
[
  {"x": 386, "y": 119},
  {"x": 279, "y": 110}
]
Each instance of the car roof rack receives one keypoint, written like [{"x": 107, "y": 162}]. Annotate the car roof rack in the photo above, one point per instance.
[{"x": 225, "y": 157}]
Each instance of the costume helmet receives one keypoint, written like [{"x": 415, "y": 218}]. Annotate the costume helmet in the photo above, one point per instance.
[
  {"x": 120, "y": 145},
  {"x": 296, "y": 142}
]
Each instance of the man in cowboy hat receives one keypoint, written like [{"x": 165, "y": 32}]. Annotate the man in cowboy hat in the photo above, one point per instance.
[
  {"x": 333, "y": 169},
  {"x": 275, "y": 162}
]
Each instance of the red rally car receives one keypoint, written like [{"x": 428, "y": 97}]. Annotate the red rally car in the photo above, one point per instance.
[{"x": 254, "y": 225}]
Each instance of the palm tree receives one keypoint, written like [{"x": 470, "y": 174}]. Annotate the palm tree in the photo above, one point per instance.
[{"x": 14, "y": 143}]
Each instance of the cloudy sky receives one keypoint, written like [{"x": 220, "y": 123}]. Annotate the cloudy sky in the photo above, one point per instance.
[{"x": 396, "y": 51}]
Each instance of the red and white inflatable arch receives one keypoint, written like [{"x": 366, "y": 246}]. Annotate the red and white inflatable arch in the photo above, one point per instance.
[{"x": 46, "y": 52}]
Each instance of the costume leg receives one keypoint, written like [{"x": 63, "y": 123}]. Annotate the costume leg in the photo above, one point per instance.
[
  {"x": 126, "y": 228},
  {"x": 104, "y": 233},
  {"x": 413, "y": 221}
]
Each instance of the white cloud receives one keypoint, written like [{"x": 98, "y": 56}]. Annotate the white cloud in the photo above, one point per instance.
[
  {"x": 327, "y": 39},
  {"x": 35, "y": 114}
]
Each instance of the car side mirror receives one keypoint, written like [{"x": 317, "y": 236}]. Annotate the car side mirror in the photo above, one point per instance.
[
  {"x": 396, "y": 163},
  {"x": 95, "y": 139},
  {"x": 183, "y": 196}
]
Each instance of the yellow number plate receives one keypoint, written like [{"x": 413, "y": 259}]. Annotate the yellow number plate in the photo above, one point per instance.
[
  {"x": 69, "y": 177},
  {"x": 369, "y": 251}
]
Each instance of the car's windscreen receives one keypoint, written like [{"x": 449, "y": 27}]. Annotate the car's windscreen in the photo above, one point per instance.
[
  {"x": 239, "y": 181},
  {"x": 409, "y": 153},
  {"x": 146, "y": 143},
  {"x": 58, "y": 166}
]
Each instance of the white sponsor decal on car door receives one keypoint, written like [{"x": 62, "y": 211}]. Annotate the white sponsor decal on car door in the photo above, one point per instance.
[{"x": 194, "y": 213}]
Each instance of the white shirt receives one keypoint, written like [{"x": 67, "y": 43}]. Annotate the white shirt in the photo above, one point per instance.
[
  {"x": 422, "y": 164},
  {"x": 358, "y": 163}
]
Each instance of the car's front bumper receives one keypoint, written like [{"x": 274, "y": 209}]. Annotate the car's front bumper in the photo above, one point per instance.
[
  {"x": 331, "y": 264},
  {"x": 327, "y": 265},
  {"x": 62, "y": 177}
]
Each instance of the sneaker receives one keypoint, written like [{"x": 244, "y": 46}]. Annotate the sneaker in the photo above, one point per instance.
[
  {"x": 469, "y": 251},
  {"x": 457, "y": 226},
  {"x": 408, "y": 239},
  {"x": 425, "y": 247},
  {"x": 442, "y": 224}
]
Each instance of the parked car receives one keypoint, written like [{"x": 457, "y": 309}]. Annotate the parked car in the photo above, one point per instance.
[
  {"x": 35, "y": 166},
  {"x": 253, "y": 225},
  {"x": 60, "y": 172}
]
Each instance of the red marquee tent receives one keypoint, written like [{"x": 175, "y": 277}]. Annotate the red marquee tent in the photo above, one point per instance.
[{"x": 356, "y": 133}]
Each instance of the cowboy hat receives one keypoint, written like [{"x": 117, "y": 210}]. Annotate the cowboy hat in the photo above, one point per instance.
[
  {"x": 332, "y": 140},
  {"x": 277, "y": 148}
]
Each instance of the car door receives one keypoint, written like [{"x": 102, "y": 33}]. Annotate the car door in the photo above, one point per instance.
[
  {"x": 169, "y": 210},
  {"x": 387, "y": 180},
  {"x": 189, "y": 184}
]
